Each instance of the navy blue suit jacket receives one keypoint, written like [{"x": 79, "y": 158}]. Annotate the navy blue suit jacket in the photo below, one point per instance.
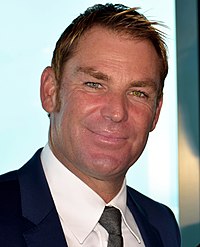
[{"x": 28, "y": 216}]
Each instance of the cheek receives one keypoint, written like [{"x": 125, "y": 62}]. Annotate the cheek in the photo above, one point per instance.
[
  {"x": 85, "y": 108},
  {"x": 142, "y": 116},
  {"x": 75, "y": 109}
]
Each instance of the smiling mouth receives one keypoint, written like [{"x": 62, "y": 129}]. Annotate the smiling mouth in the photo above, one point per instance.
[{"x": 109, "y": 138}]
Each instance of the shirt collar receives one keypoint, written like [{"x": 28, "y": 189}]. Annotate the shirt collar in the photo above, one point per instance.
[{"x": 73, "y": 206}]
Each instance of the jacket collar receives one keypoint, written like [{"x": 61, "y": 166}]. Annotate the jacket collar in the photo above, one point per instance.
[
  {"x": 38, "y": 207},
  {"x": 149, "y": 233}
]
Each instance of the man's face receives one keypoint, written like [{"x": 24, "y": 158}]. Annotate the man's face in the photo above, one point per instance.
[{"x": 108, "y": 105}]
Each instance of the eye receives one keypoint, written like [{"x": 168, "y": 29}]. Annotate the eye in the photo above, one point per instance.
[
  {"x": 138, "y": 94},
  {"x": 94, "y": 85}
]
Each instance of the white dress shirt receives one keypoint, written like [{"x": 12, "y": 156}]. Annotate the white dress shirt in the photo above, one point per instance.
[{"x": 80, "y": 208}]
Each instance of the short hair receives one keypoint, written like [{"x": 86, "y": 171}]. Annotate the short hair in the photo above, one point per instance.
[{"x": 118, "y": 18}]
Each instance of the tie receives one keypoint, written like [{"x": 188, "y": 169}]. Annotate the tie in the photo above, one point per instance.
[{"x": 111, "y": 221}]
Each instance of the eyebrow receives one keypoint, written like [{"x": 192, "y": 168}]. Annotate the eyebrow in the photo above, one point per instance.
[
  {"x": 102, "y": 76},
  {"x": 92, "y": 72},
  {"x": 145, "y": 83}
]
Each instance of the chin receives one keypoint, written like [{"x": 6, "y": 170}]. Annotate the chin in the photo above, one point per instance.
[{"x": 106, "y": 164}]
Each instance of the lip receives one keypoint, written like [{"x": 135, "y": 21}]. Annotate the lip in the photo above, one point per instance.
[{"x": 109, "y": 137}]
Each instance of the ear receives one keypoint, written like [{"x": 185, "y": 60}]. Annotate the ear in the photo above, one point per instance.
[
  {"x": 157, "y": 113},
  {"x": 48, "y": 90}
]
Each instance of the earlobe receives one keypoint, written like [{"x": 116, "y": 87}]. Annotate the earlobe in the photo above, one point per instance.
[
  {"x": 157, "y": 113},
  {"x": 48, "y": 90}
]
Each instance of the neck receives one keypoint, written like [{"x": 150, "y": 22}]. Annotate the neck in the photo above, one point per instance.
[{"x": 107, "y": 190}]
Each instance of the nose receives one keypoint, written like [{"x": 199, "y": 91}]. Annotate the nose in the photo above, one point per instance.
[{"x": 115, "y": 107}]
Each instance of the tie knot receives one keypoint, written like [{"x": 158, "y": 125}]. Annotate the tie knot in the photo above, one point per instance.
[{"x": 111, "y": 220}]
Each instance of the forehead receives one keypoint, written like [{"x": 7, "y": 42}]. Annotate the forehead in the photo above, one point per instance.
[
  {"x": 98, "y": 38},
  {"x": 113, "y": 54}
]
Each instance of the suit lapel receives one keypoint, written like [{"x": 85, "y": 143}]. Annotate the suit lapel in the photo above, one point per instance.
[
  {"x": 47, "y": 233},
  {"x": 149, "y": 234},
  {"x": 42, "y": 227}
]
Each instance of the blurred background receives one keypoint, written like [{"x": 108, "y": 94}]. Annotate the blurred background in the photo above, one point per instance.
[{"x": 169, "y": 170}]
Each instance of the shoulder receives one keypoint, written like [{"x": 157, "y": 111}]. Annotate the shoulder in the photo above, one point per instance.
[
  {"x": 9, "y": 192},
  {"x": 158, "y": 215},
  {"x": 10, "y": 185},
  {"x": 151, "y": 209},
  {"x": 11, "y": 219},
  {"x": 146, "y": 204},
  {"x": 9, "y": 182},
  {"x": 9, "y": 176}
]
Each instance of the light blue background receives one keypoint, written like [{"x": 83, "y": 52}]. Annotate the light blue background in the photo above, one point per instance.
[{"x": 29, "y": 31}]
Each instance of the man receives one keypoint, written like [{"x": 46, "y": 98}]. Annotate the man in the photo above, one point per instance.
[{"x": 103, "y": 93}]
